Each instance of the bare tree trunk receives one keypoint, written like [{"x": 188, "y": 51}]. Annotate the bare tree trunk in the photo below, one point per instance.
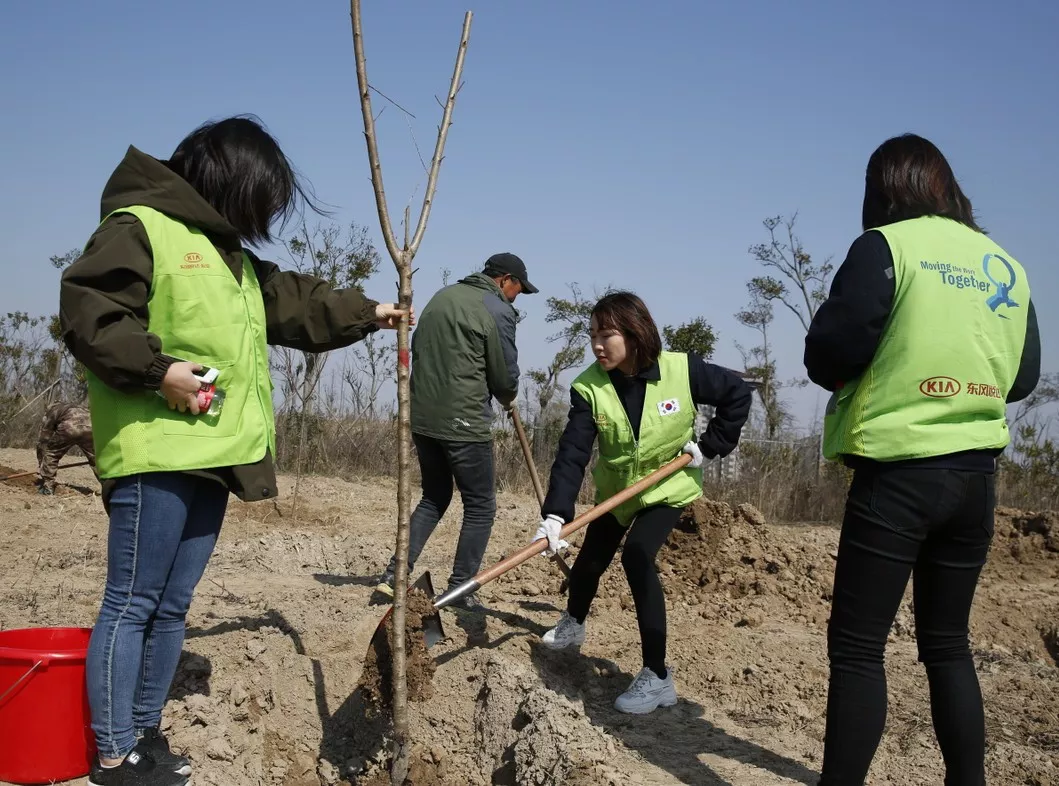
[
  {"x": 404, "y": 517},
  {"x": 402, "y": 258},
  {"x": 303, "y": 427}
]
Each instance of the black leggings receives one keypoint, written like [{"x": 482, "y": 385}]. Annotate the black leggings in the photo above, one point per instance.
[
  {"x": 935, "y": 524},
  {"x": 645, "y": 537}
]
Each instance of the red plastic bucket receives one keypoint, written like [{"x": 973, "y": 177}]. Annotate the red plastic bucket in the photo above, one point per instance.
[{"x": 45, "y": 734}]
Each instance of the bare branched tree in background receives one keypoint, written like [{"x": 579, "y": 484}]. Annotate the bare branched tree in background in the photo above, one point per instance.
[
  {"x": 372, "y": 361},
  {"x": 1030, "y": 465},
  {"x": 759, "y": 361},
  {"x": 402, "y": 256},
  {"x": 63, "y": 261},
  {"x": 345, "y": 260},
  {"x": 802, "y": 283},
  {"x": 573, "y": 315}
]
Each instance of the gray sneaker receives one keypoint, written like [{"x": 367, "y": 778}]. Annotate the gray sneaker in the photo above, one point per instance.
[{"x": 647, "y": 692}]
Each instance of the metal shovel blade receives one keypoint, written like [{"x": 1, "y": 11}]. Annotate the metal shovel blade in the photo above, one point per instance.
[{"x": 432, "y": 630}]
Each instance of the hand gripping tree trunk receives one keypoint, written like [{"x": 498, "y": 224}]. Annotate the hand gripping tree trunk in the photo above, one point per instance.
[{"x": 402, "y": 258}]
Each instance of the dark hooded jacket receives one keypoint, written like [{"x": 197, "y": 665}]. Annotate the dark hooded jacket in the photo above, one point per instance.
[
  {"x": 103, "y": 298},
  {"x": 463, "y": 356}
]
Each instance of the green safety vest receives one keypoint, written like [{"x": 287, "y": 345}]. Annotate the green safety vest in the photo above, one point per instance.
[
  {"x": 948, "y": 356},
  {"x": 202, "y": 314},
  {"x": 667, "y": 424}
]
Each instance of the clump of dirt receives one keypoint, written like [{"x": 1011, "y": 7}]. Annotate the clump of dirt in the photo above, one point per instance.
[
  {"x": 1025, "y": 538},
  {"x": 528, "y": 734},
  {"x": 377, "y": 678},
  {"x": 423, "y": 770},
  {"x": 26, "y": 481},
  {"x": 720, "y": 549},
  {"x": 515, "y": 730}
]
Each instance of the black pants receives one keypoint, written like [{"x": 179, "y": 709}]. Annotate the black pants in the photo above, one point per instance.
[
  {"x": 935, "y": 524},
  {"x": 470, "y": 466},
  {"x": 646, "y": 536}
]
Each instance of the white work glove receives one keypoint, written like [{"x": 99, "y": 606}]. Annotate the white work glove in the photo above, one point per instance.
[
  {"x": 692, "y": 448},
  {"x": 550, "y": 527}
]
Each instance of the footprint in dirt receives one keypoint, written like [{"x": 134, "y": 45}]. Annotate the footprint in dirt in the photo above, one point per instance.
[{"x": 672, "y": 739}]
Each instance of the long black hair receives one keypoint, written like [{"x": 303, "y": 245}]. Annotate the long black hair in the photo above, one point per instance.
[
  {"x": 908, "y": 177},
  {"x": 239, "y": 168}
]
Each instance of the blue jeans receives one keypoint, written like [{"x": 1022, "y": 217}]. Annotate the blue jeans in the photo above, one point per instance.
[{"x": 163, "y": 527}]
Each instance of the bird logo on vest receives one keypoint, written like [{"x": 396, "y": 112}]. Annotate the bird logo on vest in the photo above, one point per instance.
[{"x": 1003, "y": 288}]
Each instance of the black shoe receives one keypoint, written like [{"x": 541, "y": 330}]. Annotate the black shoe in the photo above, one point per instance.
[
  {"x": 137, "y": 770},
  {"x": 154, "y": 744},
  {"x": 469, "y": 603},
  {"x": 46, "y": 491}
]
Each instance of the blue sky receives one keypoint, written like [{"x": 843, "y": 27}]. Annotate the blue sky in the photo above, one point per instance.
[{"x": 622, "y": 143}]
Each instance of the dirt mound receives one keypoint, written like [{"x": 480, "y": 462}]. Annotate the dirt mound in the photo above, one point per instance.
[
  {"x": 530, "y": 735},
  {"x": 717, "y": 549},
  {"x": 1025, "y": 538},
  {"x": 377, "y": 679},
  {"x": 510, "y": 730},
  {"x": 273, "y": 688},
  {"x": 25, "y": 482}
]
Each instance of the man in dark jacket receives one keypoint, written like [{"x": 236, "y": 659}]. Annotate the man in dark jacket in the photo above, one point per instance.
[{"x": 463, "y": 356}]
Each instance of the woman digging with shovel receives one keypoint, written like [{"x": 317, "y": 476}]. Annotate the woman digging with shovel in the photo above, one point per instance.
[
  {"x": 640, "y": 404},
  {"x": 164, "y": 296}
]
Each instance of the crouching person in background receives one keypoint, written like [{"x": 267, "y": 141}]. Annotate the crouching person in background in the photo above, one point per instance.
[
  {"x": 164, "y": 288},
  {"x": 640, "y": 404},
  {"x": 63, "y": 426}
]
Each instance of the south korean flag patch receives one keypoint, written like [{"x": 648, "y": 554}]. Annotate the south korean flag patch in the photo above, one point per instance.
[{"x": 670, "y": 406}]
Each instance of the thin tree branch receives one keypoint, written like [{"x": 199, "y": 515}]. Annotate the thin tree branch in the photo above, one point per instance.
[
  {"x": 419, "y": 152},
  {"x": 369, "y": 135},
  {"x": 372, "y": 87},
  {"x": 443, "y": 132},
  {"x": 802, "y": 281},
  {"x": 797, "y": 313}
]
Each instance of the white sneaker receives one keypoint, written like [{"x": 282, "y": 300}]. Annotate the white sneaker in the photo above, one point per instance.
[
  {"x": 568, "y": 633},
  {"x": 647, "y": 692}
]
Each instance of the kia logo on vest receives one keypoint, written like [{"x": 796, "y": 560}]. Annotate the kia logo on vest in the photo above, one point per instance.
[
  {"x": 193, "y": 257},
  {"x": 939, "y": 387}
]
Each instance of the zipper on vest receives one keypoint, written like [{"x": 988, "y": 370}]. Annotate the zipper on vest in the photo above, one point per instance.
[{"x": 257, "y": 367}]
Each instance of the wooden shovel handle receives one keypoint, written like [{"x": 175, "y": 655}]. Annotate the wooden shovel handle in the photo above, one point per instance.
[
  {"x": 528, "y": 453},
  {"x": 34, "y": 472},
  {"x": 537, "y": 546},
  {"x": 557, "y": 558}
]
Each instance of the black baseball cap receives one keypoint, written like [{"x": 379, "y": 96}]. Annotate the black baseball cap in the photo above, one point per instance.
[{"x": 507, "y": 264}]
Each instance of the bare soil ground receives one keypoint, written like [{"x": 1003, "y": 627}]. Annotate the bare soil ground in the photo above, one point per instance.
[{"x": 271, "y": 688}]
